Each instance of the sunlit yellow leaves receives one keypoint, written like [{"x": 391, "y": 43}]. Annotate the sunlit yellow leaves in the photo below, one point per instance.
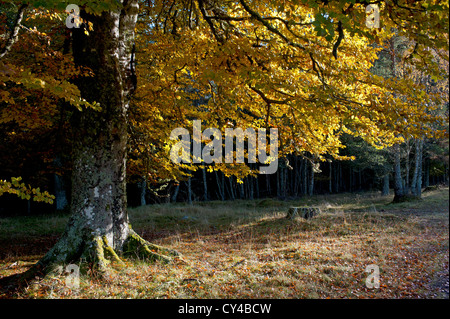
[
  {"x": 24, "y": 191},
  {"x": 256, "y": 77},
  {"x": 249, "y": 63}
]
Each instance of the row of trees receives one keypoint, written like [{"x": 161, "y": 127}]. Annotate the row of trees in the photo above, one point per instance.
[
  {"x": 422, "y": 163},
  {"x": 112, "y": 90}
]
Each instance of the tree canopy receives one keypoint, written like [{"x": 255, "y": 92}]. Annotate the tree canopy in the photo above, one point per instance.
[
  {"x": 301, "y": 66},
  {"x": 114, "y": 69}
]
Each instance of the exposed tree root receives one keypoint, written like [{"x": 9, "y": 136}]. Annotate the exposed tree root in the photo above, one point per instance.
[
  {"x": 101, "y": 254},
  {"x": 136, "y": 246},
  {"x": 93, "y": 253}
]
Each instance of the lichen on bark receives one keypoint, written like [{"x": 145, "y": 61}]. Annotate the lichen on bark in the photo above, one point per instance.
[
  {"x": 98, "y": 232},
  {"x": 96, "y": 253}
]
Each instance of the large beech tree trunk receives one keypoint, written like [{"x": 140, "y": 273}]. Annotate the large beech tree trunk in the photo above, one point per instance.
[{"x": 99, "y": 230}]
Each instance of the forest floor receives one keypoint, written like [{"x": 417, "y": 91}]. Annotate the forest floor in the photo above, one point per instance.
[{"x": 248, "y": 249}]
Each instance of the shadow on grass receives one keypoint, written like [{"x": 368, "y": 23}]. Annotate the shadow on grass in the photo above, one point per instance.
[{"x": 238, "y": 222}]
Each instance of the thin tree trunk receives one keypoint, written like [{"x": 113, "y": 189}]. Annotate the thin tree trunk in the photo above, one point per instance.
[
  {"x": 219, "y": 186},
  {"x": 330, "y": 181},
  {"x": 143, "y": 191},
  {"x": 385, "y": 190},
  {"x": 336, "y": 178},
  {"x": 407, "y": 185},
  {"x": 175, "y": 194},
  {"x": 416, "y": 185},
  {"x": 269, "y": 192},
  {"x": 256, "y": 187},
  {"x": 360, "y": 179},
  {"x": 241, "y": 189},
  {"x": 311, "y": 181},
  {"x": 205, "y": 185},
  {"x": 278, "y": 183},
  {"x": 286, "y": 183},
  {"x": 399, "y": 193},
  {"x": 14, "y": 33},
  {"x": 282, "y": 183},
  {"x": 189, "y": 187},
  {"x": 427, "y": 172},
  {"x": 230, "y": 181},
  {"x": 446, "y": 174},
  {"x": 296, "y": 176},
  {"x": 305, "y": 177},
  {"x": 60, "y": 188},
  {"x": 222, "y": 181},
  {"x": 250, "y": 187},
  {"x": 291, "y": 177},
  {"x": 419, "y": 175}
]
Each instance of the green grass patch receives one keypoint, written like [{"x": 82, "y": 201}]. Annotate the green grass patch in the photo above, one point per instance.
[{"x": 248, "y": 249}]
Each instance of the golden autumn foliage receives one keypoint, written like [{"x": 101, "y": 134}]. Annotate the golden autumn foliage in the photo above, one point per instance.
[{"x": 303, "y": 67}]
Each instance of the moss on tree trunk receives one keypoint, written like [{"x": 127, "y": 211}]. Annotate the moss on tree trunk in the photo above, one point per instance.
[{"x": 98, "y": 232}]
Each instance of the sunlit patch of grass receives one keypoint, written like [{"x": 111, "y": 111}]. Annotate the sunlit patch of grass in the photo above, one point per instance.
[{"x": 248, "y": 249}]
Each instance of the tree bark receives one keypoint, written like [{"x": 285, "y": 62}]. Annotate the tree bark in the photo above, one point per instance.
[
  {"x": 311, "y": 181},
  {"x": 175, "y": 194},
  {"x": 305, "y": 176},
  {"x": 407, "y": 169},
  {"x": 296, "y": 176},
  {"x": 385, "y": 190},
  {"x": 250, "y": 187},
  {"x": 256, "y": 187},
  {"x": 278, "y": 182},
  {"x": 219, "y": 187},
  {"x": 142, "y": 185},
  {"x": 269, "y": 191},
  {"x": 99, "y": 231},
  {"x": 189, "y": 187},
  {"x": 241, "y": 189},
  {"x": 14, "y": 33},
  {"x": 399, "y": 193},
  {"x": 416, "y": 185},
  {"x": 205, "y": 185},
  {"x": 427, "y": 172},
  {"x": 419, "y": 175},
  {"x": 330, "y": 181},
  {"x": 60, "y": 188},
  {"x": 230, "y": 182}
]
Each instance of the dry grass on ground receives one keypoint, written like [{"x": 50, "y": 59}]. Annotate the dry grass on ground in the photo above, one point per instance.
[{"x": 248, "y": 249}]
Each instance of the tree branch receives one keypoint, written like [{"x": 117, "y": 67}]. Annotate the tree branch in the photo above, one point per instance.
[
  {"x": 339, "y": 39},
  {"x": 14, "y": 32},
  {"x": 269, "y": 27},
  {"x": 208, "y": 20}
]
